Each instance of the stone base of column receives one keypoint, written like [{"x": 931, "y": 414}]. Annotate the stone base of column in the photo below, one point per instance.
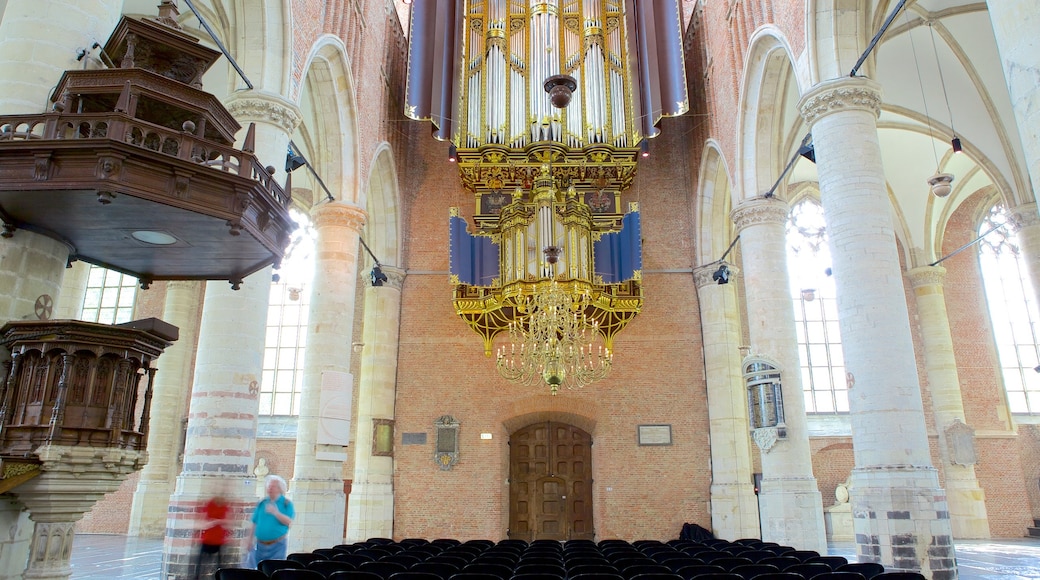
[
  {"x": 967, "y": 502},
  {"x": 734, "y": 511},
  {"x": 186, "y": 518},
  {"x": 901, "y": 520},
  {"x": 149, "y": 511},
  {"x": 792, "y": 513},
  {"x": 14, "y": 545},
  {"x": 319, "y": 514},
  {"x": 371, "y": 511}
]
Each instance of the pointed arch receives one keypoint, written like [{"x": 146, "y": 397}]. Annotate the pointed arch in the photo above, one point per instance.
[
  {"x": 714, "y": 189},
  {"x": 328, "y": 135},
  {"x": 770, "y": 126},
  {"x": 382, "y": 201}
]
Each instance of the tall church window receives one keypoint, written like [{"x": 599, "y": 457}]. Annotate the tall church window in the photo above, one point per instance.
[
  {"x": 287, "y": 314},
  {"x": 815, "y": 310},
  {"x": 110, "y": 296},
  {"x": 1012, "y": 309}
]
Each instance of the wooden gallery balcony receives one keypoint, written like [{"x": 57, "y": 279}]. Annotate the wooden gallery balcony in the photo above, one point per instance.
[{"x": 135, "y": 168}]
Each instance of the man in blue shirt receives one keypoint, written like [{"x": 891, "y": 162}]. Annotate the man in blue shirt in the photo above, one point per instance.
[{"x": 268, "y": 537}]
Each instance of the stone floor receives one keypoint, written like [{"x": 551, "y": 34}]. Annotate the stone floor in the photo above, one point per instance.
[{"x": 111, "y": 557}]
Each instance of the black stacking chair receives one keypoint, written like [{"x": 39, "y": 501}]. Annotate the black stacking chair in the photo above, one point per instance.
[
  {"x": 240, "y": 574},
  {"x": 576, "y": 543},
  {"x": 803, "y": 555},
  {"x": 497, "y": 570},
  {"x": 410, "y": 575},
  {"x": 414, "y": 542},
  {"x": 548, "y": 569},
  {"x": 405, "y": 558},
  {"x": 688, "y": 572},
  {"x": 457, "y": 560},
  {"x": 656, "y": 576},
  {"x": 355, "y": 575},
  {"x": 737, "y": 549},
  {"x": 596, "y": 576},
  {"x": 781, "y": 562},
  {"x": 303, "y": 558},
  {"x": 592, "y": 569},
  {"x": 374, "y": 552},
  {"x": 474, "y": 576},
  {"x": 781, "y": 550},
  {"x": 677, "y": 563},
  {"x": 348, "y": 548},
  {"x": 326, "y": 553},
  {"x": 779, "y": 576},
  {"x": 538, "y": 576},
  {"x": 446, "y": 542},
  {"x": 840, "y": 576},
  {"x": 645, "y": 569},
  {"x": 639, "y": 544},
  {"x": 662, "y": 556},
  {"x": 384, "y": 569},
  {"x": 269, "y": 566},
  {"x": 753, "y": 542},
  {"x": 613, "y": 542},
  {"x": 731, "y": 562},
  {"x": 834, "y": 562},
  {"x": 757, "y": 556},
  {"x": 721, "y": 576},
  {"x": 327, "y": 567},
  {"x": 297, "y": 574},
  {"x": 380, "y": 541},
  {"x": 868, "y": 569},
  {"x": 899, "y": 576},
  {"x": 711, "y": 556},
  {"x": 749, "y": 571},
  {"x": 501, "y": 560},
  {"x": 484, "y": 544},
  {"x": 355, "y": 559},
  {"x": 522, "y": 544},
  {"x": 812, "y": 570},
  {"x": 442, "y": 569}
]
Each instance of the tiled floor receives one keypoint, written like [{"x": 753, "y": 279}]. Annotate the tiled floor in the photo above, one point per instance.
[{"x": 108, "y": 557}]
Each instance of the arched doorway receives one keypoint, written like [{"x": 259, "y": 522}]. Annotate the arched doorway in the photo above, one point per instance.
[{"x": 550, "y": 483}]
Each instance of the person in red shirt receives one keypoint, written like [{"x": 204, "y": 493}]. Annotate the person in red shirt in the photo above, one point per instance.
[{"x": 215, "y": 532}]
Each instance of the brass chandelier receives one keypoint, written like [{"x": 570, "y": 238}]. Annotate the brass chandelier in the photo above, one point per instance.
[{"x": 555, "y": 341}]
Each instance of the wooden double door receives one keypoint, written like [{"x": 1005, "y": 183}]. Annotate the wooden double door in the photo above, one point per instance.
[{"x": 550, "y": 483}]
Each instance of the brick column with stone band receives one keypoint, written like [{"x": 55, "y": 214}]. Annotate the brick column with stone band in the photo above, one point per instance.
[
  {"x": 371, "y": 510},
  {"x": 172, "y": 386},
  {"x": 1015, "y": 23},
  {"x": 220, "y": 444},
  {"x": 318, "y": 473},
  {"x": 734, "y": 507},
  {"x": 790, "y": 505},
  {"x": 966, "y": 499},
  {"x": 900, "y": 516}
]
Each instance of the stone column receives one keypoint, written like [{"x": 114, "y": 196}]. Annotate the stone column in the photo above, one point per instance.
[
  {"x": 73, "y": 290},
  {"x": 1015, "y": 23},
  {"x": 41, "y": 40},
  {"x": 318, "y": 471},
  {"x": 38, "y": 42},
  {"x": 789, "y": 500},
  {"x": 222, "y": 417},
  {"x": 371, "y": 511},
  {"x": 900, "y": 514},
  {"x": 966, "y": 499},
  {"x": 172, "y": 386},
  {"x": 734, "y": 507},
  {"x": 14, "y": 545},
  {"x": 1027, "y": 220}
]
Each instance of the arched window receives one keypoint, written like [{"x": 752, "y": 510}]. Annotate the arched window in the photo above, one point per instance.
[
  {"x": 287, "y": 314},
  {"x": 110, "y": 296},
  {"x": 1012, "y": 310},
  {"x": 815, "y": 310}
]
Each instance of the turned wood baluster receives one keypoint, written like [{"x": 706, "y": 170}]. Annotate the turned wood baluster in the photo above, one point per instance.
[
  {"x": 146, "y": 413},
  {"x": 58, "y": 412}
]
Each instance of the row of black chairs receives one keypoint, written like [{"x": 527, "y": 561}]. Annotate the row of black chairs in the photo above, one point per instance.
[{"x": 449, "y": 559}]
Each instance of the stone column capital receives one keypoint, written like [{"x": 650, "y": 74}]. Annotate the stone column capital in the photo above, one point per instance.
[
  {"x": 394, "y": 277},
  {"x": 339, "y": 214},
  {"x": 702, "y": 274},
  {"x": 255, "y": 106},
  {"x": 760, "y": 210},
  {"x": 1025, "y": 215},
  {"x": 844, "y": 94},
  {"x": 927, "y": 276}
]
